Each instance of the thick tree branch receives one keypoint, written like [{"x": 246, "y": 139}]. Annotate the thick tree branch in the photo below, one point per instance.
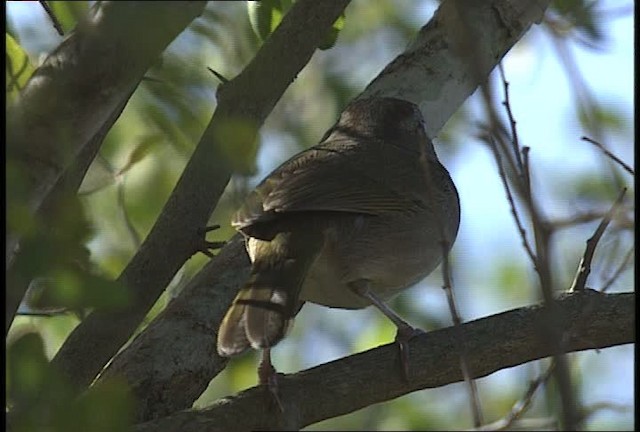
[
  {"x": 170, "y": 364},
  {"x": 173, "y": 360},
  {"x": 590, "y": 319},
  {"x": 75, "y": 92},
  {"x": 248, "y": 99},
  {"x": 438, "y": 71}
]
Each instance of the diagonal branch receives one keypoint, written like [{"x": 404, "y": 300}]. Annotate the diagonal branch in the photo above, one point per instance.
[
  {"x": 74, "y": 94},
  {"x": 493, "y": 343},
  {"x": 248, "y": 98}
]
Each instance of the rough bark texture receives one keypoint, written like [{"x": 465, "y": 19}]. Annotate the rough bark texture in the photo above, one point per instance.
[
  {"x": 591, "y": 320},
  {"x": 170, "y": 364},
  {"x": 427, "y": 71}
]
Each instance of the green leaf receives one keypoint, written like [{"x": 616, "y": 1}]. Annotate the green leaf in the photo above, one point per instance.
[
  {"x": 68, "y": 13},
  {"x": 597, "y": 115},
  {"x": 332, "y": 36},
  {"x": 592, "y": 188},
  {"x": 265, "y": 16},
  {"x": 139, "y": 152},
  {"x": 26, "y": 368},
  {"x": 106, "y": 407},
  {"x": 18, "y": 70}
]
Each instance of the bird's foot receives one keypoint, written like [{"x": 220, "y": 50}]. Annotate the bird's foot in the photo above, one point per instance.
[
  {"x": 268, "y": 376},
  {"x": 403, "y": 336},
  {"x": 205, "y": 246}
]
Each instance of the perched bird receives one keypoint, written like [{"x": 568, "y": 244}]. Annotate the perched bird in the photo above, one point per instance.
[{"x": 348, "y": 223}]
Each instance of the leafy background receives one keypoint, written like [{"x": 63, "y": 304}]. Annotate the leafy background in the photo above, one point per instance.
[{"x": 571, "y": 76}]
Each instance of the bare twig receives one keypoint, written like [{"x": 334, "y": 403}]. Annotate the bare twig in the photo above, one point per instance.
[
  {"x": 610, "y": 155},
  {"x": 522, "y": 405},
  {"x": 577, "y": 219},
  {"x": 52, "y": 17},
  {"x": 476, "y": 410},
  {"x": 584, "y": 268},
  {"x": 542, "y": 234},
  {"x": 514, "y": 134},
  {"x": 512, "y": 205},
  {"x": 218, "y": 75},
  {"x": 623, "y": 265},
  {"x": 448, "y": 288},
  {"x": 526, "y": 179}
]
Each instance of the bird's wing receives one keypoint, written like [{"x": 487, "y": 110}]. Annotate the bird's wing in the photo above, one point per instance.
[{"x": 336, "y": 175}]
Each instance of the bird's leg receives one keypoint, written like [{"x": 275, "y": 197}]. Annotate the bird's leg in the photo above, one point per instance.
[
  {"x": 405, "y": 330},
  {"x": 267, "y": 375},
  {"x": 205, "y": 246}
]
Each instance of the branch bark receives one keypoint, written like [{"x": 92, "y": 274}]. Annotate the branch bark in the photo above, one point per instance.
[
  {"x": 70, "y": 98},
  {"x": 178, "y": 230},
  {"x": 590, "y": 319},
  {"x": 173, "y": 360},
  {"x": 440, "y": 69}
]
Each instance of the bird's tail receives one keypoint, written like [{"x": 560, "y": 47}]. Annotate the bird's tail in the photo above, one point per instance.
[{"x": 261, "y": 312}]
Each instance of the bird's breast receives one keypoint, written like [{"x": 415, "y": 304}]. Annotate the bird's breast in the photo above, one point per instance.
[{"x": 391, "y": 252}]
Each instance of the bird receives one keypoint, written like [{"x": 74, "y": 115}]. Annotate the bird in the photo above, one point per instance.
[{"x": 349, "y": 223}]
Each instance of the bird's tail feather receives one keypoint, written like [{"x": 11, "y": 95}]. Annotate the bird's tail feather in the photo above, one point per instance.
[{"x": 263, "y": 309}]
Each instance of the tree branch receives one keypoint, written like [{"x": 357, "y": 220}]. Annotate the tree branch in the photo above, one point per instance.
[
  {"x": 70, "y": 98},
  {"x": 493, "y": 343},
  {"x": 170, "y": 363},
  {"x": 248, "y": 98},
  {"x": 437, "y": 72}
]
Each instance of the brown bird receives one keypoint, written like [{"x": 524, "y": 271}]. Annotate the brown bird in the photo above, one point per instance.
[{"x": 348, "y": 223}]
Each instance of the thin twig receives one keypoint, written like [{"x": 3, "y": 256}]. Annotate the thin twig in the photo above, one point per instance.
[
  {"x": 512, "y": 205},
  {"x": 580, "y": 218},
  {"x": 457, "y": 322},
  {"x": 584, "y": 268},
  {"x": 526, "y": 179},
  {"x": 512, "y": 121},
  {"x": 448, "y": 288},
  {"x": 521, "y": 405},
  {"x": 610, "y": 155},
  {"x": 619, "y": 270},
  {"x": 52, "y": 17},
  {"x": 222, "y": 79},
  {"x": 542, "y": 235}
]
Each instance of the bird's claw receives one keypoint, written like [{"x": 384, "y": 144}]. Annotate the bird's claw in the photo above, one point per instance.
[
  {"x": 206, "y": 246},
  {"x": 403, "y": 336},
  {"x": 268, "y": 377}
]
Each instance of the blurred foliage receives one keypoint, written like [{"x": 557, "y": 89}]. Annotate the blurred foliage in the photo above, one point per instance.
[
  {"x": 581, "y": 15},
  {"x": 46, "y": 402},
  {"x": 266, "y": 15},
  {"x": 68, "y": 13},
  {"x": 145, "y": 152},
  {"x": 18, "y": 67}
]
